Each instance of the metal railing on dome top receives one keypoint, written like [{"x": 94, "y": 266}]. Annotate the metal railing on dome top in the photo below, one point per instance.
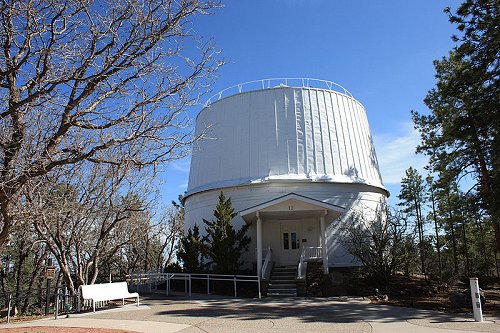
[{"x": 277, "y": 83}]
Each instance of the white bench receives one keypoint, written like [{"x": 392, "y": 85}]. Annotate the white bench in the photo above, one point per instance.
[{"x": 107, "y": 292}]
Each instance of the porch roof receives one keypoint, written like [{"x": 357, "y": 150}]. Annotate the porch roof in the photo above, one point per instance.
[{"x": 291, "y": 206}]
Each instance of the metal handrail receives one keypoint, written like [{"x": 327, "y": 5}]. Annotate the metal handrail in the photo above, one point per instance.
[
  {"x": 153, "y": 279},
  {"x": 301, "y": 266},
  {"x": 277, "y": 83},
  {"x": 63, "y": 302},
  {"x": 223, "y": 277},
  {"x": 267, "y": 261}
]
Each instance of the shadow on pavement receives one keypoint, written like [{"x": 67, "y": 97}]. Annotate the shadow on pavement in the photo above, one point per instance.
[{"x": 300, "y": 309}]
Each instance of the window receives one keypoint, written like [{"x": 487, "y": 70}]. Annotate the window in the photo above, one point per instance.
[
  {"x": 294, "y": 240},
  {"x": 286, "y": 245}
]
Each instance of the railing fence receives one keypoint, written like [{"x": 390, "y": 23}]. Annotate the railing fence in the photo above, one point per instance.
[
  {"x": 276, "y": 83},
  {"x": 152, "y": 280},
  {"x": 34, "y": 302},
  {"x": 307, "y": 253}
]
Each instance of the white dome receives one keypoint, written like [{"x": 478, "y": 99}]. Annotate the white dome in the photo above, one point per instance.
[{"x": 283, "y": 134}]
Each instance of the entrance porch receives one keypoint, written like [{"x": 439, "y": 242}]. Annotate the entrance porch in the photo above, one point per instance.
[{"x": 293, "y": 229}]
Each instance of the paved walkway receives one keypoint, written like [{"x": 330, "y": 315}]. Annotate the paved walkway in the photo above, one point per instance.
[{"x": 177, "y": 314}]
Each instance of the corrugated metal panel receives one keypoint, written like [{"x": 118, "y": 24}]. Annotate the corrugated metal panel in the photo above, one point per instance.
[
  {"x": 301, "y": 128},
  {"x": 300, "y": 134}
]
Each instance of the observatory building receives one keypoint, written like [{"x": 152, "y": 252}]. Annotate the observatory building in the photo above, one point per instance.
[{"x": 295, "y": 156}]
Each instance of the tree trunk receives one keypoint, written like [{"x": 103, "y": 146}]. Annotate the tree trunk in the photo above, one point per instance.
[
  {"x": 496, "y": 264},
  {"x": 33, "y": 279},
  {"x": 466, "y": 250},
  {"x": 438, "y": 245},
  {"x": 420, "y": 237},
  {"x": 453, "y": 238}
]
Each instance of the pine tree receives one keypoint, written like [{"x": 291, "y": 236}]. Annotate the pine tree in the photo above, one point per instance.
[
  {"x": 190, "y": 251},
  {"x": 412, "y": 196},
  {"x": 434, "y": 216},
  {"x": 448, "y": 201},
  {"x": 223, "y": 245},
  {"x": 461, "y": 135}
]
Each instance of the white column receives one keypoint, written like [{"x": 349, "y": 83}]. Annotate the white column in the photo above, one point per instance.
[
  {"x": 259, "y": 245},
  {"x": 323, "y": 243}
]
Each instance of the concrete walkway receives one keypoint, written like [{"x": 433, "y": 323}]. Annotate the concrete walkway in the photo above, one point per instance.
[{"x": 215, "y": 314}]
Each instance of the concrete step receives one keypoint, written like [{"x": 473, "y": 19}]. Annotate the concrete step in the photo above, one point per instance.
[
  {"x": 282, "y": 285},
  {"x": 282, "y": 282},
  {"x": 278, "y": 281},
  {"x": 284, "y": 273},
  {"x": 282, "y": 277},
  {"x": 282, "y": 293},
  {"x": 283, "y": 288},
  {"x": 293, "y": 269}
]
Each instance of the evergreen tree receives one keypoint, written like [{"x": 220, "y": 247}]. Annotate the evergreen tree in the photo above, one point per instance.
[
  {"x": 190, "y": 252},
  {"x": 412, "y": 196},
  {"x": 448, "y": 202},
  {"x": 461, "y": 135},
  {"x": 224, "y": 245},
  {"x": 434, "y": 217}
]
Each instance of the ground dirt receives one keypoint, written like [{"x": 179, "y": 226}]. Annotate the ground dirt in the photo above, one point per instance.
[
  {"x": 416, "y": 292},
  {"x": 44, "y": 329}
]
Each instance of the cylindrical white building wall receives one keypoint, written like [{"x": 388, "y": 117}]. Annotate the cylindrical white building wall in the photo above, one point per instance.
[
  {"x": 283, "y": 133},
  {"x": 260, "y": 145}
]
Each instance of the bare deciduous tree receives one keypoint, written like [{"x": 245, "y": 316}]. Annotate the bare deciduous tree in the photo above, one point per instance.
[
  {"x": 82, "y": 77},
  {"x": 378, "y": 243},
  {"x": 170, "y": 229},
  {"x": 151, "y": 246},
  {"x": 88, "y": 214}
]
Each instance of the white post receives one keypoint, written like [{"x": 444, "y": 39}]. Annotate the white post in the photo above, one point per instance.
[
  {"x": 259, "y": 245},
  {"x": 476, "y": 299},
  {"x": 167, "y": 287},
  {"x": 323, "y": 243},
  {"x": 234, "y": 279},
  {"x": 258, "y": 286}
]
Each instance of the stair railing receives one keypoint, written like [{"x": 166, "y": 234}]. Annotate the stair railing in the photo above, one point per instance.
[
  {"x": 301, "y": 269},
  {"x": 306, "y": 254},
  {"x": 267, "y": 263},
  {"x": 313, "y": 253}
]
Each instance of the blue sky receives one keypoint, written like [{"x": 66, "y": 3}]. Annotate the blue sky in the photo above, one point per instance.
[{"x": 381, "y": 51}]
